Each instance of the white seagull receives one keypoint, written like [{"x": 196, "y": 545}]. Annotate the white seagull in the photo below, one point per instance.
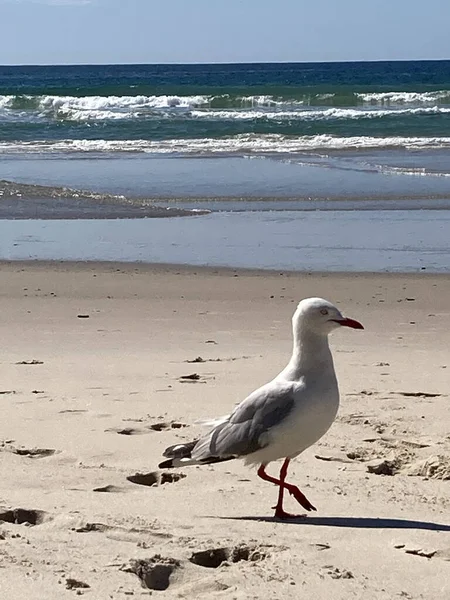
[{"x": 284, "y": 417}]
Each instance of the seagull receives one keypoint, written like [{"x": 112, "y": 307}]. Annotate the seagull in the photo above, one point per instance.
[{"x": 284, "y": 417}]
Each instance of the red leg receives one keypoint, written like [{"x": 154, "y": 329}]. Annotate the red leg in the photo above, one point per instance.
[
  {"x": 292, "y": 489},
  {"x": 279, "y": 511}
]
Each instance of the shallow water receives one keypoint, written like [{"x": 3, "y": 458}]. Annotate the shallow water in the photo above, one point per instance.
[
  {"x": 344, "y": 179},
  {"x": 396, "y": 241},
  {"x": 305, "y": 166}
]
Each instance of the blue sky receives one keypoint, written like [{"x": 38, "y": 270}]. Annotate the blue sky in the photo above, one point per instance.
[{"x": 153, "y": 31}]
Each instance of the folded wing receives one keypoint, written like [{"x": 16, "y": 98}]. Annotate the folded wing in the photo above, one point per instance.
[{"x": 245, "y": 431}]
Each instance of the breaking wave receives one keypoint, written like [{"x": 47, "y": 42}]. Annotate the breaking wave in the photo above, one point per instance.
[
  {"x": 401, "y": 98},
  {"x": 329, "y": 114},
  {"x": 239, "y": 144},
  {"x": 219, "y": 108}
]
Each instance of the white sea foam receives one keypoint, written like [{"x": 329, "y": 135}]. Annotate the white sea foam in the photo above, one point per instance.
[
  {"x": 267, "y": 101},
  {"x": 6, "y": 101},
  {"x": 395, "y": 98},
  {"x": 96, "y": 105},
  {"x": 325, "y": 96},
  {"x": 121, "y": 102},
  {"x": 242, "y": 108},
  {"x": 239, "y": 144},
  {"x": 328, "y": 114},
  {"x": 416, "y": 171}
]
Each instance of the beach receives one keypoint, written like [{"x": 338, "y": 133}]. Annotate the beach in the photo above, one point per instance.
[
  {"x": 121, "y": 329},
  {"x": 92, "y": 392}
]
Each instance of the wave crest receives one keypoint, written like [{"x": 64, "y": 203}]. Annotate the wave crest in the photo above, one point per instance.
[
  {"x": 329, "y": 114},
  {"x": 402, "y": 98},
  {"x": 238, "y": 145},
  {"x": 212, "y": 108}
]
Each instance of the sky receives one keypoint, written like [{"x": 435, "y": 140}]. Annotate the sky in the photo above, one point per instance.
[{"x": 186, "y": 31}]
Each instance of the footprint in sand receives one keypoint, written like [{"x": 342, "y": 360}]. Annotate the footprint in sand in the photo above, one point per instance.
[
  {"x": 159, "y": 572},
  {"x": 155, "y": 573},
  {"x": 214, "y": 557},
  {"x": 22, "y": 516},
  {"x": 75, "y": 584},
  {"x": 34, "y": 361},
  {"x": 153, "y": 479},
  {"x": 29, "y": 452},
  {"x": 160, "y": 426},
  {"x": 111, "y": 489},
  {"x": 92, "y": 527},
  {"x": 433, "y": 467},
  {"x": 126, "y": 430}
]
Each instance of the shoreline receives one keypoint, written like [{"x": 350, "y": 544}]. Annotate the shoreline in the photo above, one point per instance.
[
  {"x": 185, "y": 269},
  {"x": 133, "y": 181},
  {"x": 22, "y": 201},
  {"x": 32, "y": 201}
]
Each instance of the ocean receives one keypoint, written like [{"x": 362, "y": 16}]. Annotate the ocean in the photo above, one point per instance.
[{"x": 257, "y": 144}]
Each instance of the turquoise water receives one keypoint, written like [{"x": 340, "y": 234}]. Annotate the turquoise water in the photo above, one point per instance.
[
  {"x": 239, "y": 108},
  {"x": 320, "y": 166},
  {"x": 351, "y": 129}
]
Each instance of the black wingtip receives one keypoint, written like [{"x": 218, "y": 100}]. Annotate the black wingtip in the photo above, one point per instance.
[
  {"x": 167, "y": 464},
  {"x": 180, "y": 450}
]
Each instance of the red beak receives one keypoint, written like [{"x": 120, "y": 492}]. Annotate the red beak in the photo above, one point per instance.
[{"x": 350, "y": 323}]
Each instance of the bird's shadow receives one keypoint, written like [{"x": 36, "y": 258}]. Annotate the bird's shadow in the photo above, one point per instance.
[{"x": 349, "y": 522}]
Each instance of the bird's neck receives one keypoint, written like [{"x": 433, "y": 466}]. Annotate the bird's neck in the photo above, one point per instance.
[{"x": 311, "y": 352}]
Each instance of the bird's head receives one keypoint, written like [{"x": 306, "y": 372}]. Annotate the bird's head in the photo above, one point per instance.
[{"x": 321, "y": 317}]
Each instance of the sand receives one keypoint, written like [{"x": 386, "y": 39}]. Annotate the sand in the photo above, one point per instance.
[
  {"x": 32, "y": 201},
  {"x": 91, "y": 393}
]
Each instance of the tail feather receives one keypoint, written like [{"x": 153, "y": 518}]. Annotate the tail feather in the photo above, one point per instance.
[
  {"x": 180, "y": 450},
  {"x": 180, "y": 455}
]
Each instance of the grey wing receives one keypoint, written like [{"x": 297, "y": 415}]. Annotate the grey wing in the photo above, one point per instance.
[{"x": 246, "y": 430}]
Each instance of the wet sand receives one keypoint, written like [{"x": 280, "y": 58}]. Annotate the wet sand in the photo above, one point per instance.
[
  {"x": 33, "y": 201},
  {"x": 91, "y": 391}
]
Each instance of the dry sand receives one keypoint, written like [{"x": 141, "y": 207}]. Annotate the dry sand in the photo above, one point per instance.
[{"x": 106, "y": 398}]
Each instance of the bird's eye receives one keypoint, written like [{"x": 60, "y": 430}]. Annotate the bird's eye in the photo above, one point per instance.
[{"x": 323, "y": 311}]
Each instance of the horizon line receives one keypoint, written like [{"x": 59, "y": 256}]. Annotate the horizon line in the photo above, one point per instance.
[{"x": 258, "y": 62}]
